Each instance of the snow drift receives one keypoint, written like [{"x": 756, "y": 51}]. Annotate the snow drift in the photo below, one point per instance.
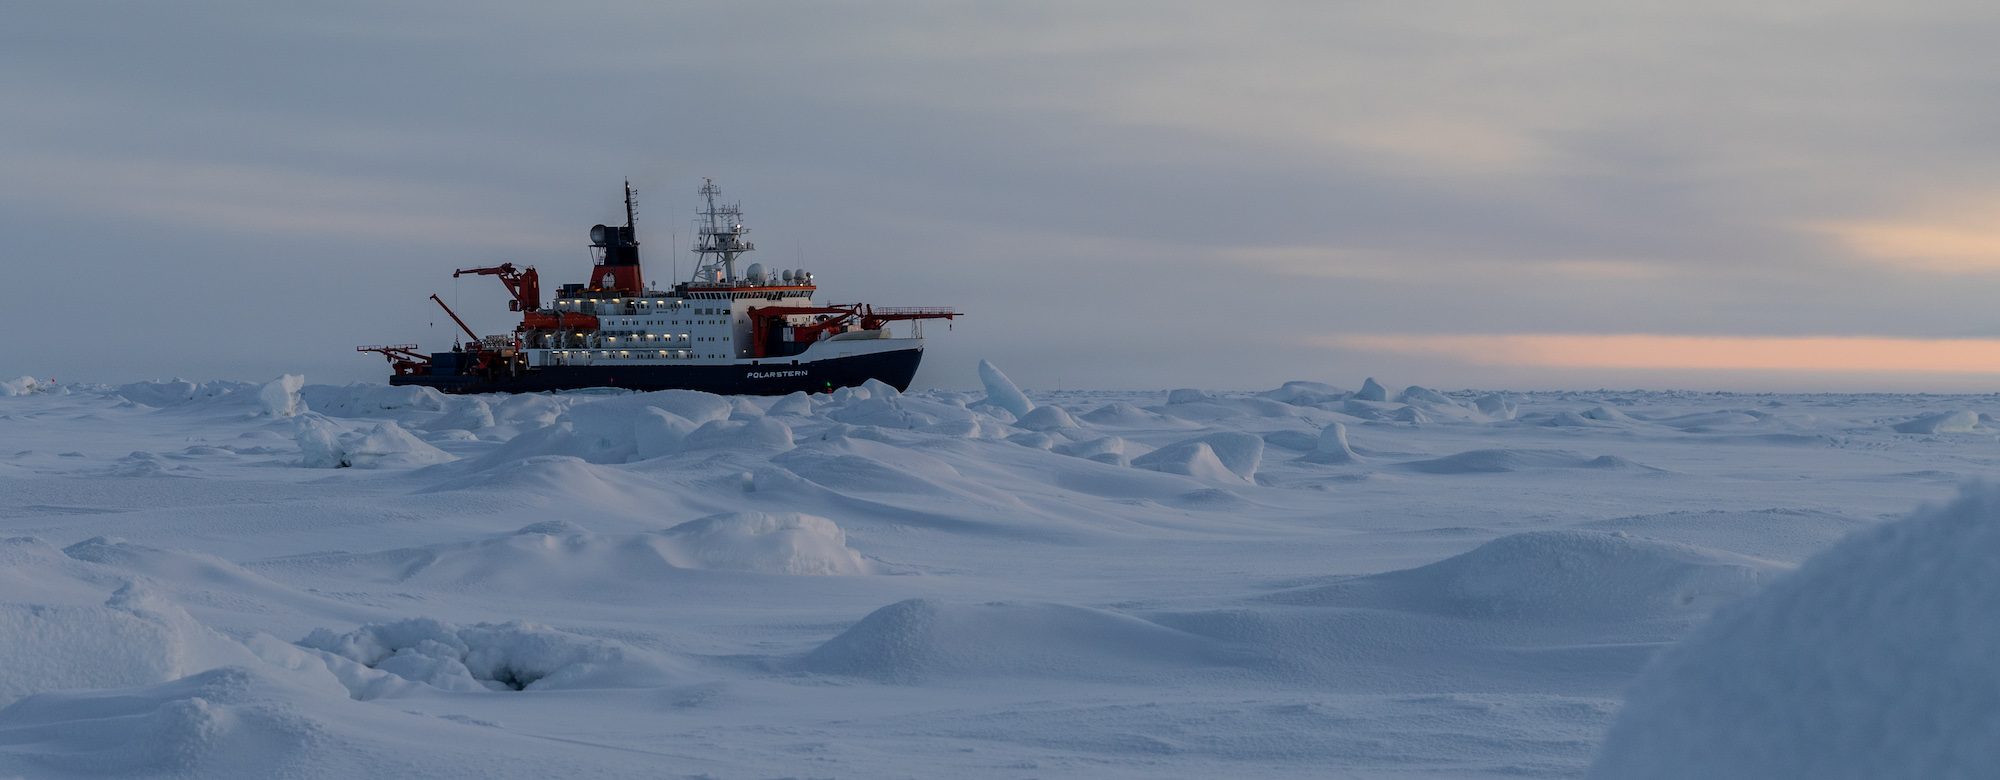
[
  {"x": 1228, "y": 456},
  {"x": 1873, "y": 660},
  {"x": 561, "y": 558},
  {"x": 1497, "y": 461},
  {"x": 922, "y": 639},
  {"x": 512, "y": 656},
  {"x": 1961, "y": 421},
  {"x": 325, "y": 444},
  {"x": 1558, "y": 575}
]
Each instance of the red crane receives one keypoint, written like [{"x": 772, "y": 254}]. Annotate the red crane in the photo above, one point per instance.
[
  {"x": 524, "y": 285},
  {"x": 763, "y": 318}
]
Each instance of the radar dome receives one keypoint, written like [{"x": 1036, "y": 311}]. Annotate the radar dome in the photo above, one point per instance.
[{"x": 756, "y": 273}]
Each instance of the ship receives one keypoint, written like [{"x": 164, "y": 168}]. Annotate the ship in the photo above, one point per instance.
[{"x": 760, "y": 332}]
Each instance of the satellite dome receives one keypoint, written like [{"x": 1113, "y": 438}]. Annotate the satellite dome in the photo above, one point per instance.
[{"x": 756, "y": 273}]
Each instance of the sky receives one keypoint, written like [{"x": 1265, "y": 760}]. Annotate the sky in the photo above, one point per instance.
[{"x": 1121, "y": 195}]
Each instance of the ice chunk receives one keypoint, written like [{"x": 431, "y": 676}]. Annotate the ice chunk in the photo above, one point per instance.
[
  {"x": 19, "y": 387},
  {"x": 1001, "y": 392},
  {"x": 280, "y": 396},
  {"x": 1372, "y": 390},
  {"x": 1497, "y": 406}
]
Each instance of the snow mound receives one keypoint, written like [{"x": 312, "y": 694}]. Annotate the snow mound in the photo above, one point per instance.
[
  {"x": 512, "y": 656},
  {"x": 178, "y": 392},
  {"x": 798, "y": 404},
  {"x": 1371, "y": 390},
  {"x": 1417, "y": 394},
  {"x": 1188, "y": 395},
  {"x": 1001, "y": 391},
  {"x": 1497, "y": 406},
  {"x": 890, "y": 412},
  {"x": 1558, "y": 575},
  {"x": 549, "y": 557},
  {"x": 1122, "y": 414},
  {"x": 1109, "y": 449},
  {"x": 231, "y": 721},
  {"x": 1300, "y": 393},
  {"x": 280, "y": 396},
  {"x": 1599, "y": 416},
  {"x": 137, "y": 637},
  {"x": 1873, "y": 660},
  {"x": 371, "y": 400},
  {"x": 1499, "y": 461},
  {"x": 1942, "y": 422},
  {"x": 1778, "y": 534},
  {"x": 326, "y": 444},
  {"x": 762, "y": 433},
  {"x": 780, "y": 543},
  {"x": 1332, "y": 446},
  {"x": 641, "y": 426},
  {"x": 921, "y": 640},
  {"x": 1047, "y": 418},
  {"x": 1225, "y": 455}
]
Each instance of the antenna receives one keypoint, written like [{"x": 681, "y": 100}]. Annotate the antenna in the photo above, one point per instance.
[{"x": 628, "y": 204}]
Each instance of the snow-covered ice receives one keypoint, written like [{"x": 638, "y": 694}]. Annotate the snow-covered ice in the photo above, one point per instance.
[{"x": 240, "y": 579}]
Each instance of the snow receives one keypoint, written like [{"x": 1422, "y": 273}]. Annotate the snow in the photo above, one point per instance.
[
  {"x": 17, "y": 387},
  {"x": 1001, "y": 392},
  {"x": 1873, "y": 660},
  {"x": 280, "y": 396},
  {"x": 1961, "y": 421},
  {"x": 327, "y": 444},
  {"x": 1294, "y": 582},
  {"x": 511, "y": 656},
  {"x": 1561, "y": 575},
  {"x": 1332, "y": 446}
]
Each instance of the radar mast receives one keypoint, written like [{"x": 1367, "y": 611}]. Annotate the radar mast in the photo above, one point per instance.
[{"x": 720, "y": 238}]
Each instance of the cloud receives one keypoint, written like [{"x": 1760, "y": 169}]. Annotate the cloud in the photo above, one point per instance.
[
  {"x": 1329, "y": 262},
  {"x": 1829, "y": 354},
  {"x": 268, "y": 199},
  {"x": 1962, "y": 240}
]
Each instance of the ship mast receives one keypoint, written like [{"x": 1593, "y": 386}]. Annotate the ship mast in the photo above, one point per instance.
[{"x": 720, "y": 239}]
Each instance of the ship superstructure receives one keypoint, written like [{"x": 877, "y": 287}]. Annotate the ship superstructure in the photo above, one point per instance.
[{"x": 758, "y": 332}]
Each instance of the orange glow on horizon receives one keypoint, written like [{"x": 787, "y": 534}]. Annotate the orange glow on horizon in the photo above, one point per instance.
[{"x": 1693, "y": 353}]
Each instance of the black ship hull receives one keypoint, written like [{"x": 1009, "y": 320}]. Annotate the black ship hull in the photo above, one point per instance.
[{"x": 773, "y": 377}]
